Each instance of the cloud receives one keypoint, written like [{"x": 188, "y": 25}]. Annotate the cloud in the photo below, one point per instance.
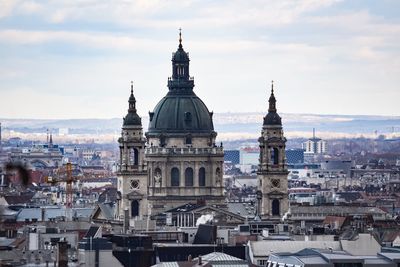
[
  {"x": 10, "y": 73},
  {"x": 327, "y": 52},
  {"x": 98, "y": 40},
  {"x": 166, "y": 14},
  {"x": 30, "y": 7},
  {"x": 7, "y": 7}
]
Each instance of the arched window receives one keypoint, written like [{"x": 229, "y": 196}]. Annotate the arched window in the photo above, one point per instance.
[
  {"x": 275, "y": 207},
  {"x": 202, "y": 176},
  {"x": 174, "y": 176},
  {"x": 275, "y": 156},
  {"x": 134, "y": 156},
  {"x": 189, "y": 177},
  {"x": 134, "y": 208}
]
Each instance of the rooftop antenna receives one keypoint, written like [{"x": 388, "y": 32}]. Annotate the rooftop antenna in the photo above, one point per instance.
[{"x": 313, "y": 133}]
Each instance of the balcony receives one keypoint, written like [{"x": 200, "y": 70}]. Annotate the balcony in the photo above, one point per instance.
[
  {"x": 185, "y": 191},
  {"x": 184, "y": 151}
]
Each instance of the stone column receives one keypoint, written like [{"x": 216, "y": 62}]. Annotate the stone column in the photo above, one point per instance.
[
  {"x": 182, "y": 174},
  {"x": 165, "y": 175},
  {"x": 196, "y": 174}
]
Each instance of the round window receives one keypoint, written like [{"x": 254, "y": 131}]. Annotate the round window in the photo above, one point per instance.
[{"x": 135, "y": 184}]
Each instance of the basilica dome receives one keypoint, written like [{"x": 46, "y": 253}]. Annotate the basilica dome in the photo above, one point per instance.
[
  {"x": 180, "y": 111},
  {"x": 177, "y": 113}
]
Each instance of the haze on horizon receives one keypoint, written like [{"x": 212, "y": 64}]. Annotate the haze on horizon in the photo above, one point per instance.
[{"x": 75, "y": 59}]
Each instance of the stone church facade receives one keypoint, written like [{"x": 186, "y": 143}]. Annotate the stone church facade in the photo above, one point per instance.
[{"x": 177, "y": 160}]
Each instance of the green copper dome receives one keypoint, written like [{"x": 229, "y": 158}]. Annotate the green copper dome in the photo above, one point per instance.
[
  {"x": 180, "y": 111},
  {"x": 181, "y": 114}
]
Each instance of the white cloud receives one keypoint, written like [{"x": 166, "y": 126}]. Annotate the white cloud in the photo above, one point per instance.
[
  {"x": 30, "y": 7},
  {"x": 7, "y": 7},
  {"x": 235, "y": 46},
  {"x": 166, "y": 14},
  {"x": 97, "y": 40}
]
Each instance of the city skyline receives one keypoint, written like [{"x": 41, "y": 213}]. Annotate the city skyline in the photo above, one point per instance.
[{"x": 69, "y": 60}]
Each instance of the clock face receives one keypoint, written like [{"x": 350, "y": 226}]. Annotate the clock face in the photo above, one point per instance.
[
  {"x": 276, "y": 183},
  {"x": 135, "y": 184}
]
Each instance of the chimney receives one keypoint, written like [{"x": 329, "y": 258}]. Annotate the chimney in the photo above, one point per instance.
[
  {"x": 189, "y": 258},
  {"x": 43, "y": 214}
]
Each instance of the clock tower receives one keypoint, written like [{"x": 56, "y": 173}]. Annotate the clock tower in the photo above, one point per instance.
[
  {"x": 272, "y": 172},
  {"x": 132, "y": 173}
]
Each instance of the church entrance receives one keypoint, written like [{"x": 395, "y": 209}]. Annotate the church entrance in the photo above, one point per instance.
[
  {"x": 134, "y": 208},
  {"x": 275, "y": 207}
]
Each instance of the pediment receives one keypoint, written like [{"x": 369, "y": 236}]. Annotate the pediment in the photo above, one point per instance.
[
  {"x": 276, "y": 193},
  {"x": 228, "y": 214},
  {"x": 135, "y": 195}
]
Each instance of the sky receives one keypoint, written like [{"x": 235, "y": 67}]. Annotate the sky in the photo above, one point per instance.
[{"x": 75, "y": 59}]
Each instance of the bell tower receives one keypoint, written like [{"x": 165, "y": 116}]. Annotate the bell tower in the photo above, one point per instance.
[
  {"x": 272, "y": 172},
  {"x": 132, "y": 172}
]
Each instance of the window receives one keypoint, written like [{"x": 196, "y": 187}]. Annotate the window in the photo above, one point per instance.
[
  {"x": 275, "y": 156},
  {"x": 133, "y": 156},
  {"x": 134, "y": 208},
  {"x": 189, "y": 177},
  {"x": 175, "y": 177},
  {"x": 188, "y": 119},
  {"x": 162, "y": 141},
  {"x": 202, "y": 176},
  {"x": 275, "y": 207},
  {"x": 135, "y": 184}
]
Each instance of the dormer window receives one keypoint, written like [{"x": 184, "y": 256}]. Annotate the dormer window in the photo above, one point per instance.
[{"x": 188, "y": 116}]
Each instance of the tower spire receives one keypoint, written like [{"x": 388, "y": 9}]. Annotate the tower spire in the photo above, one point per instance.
[
  {"x": 272, "y": 87},
  {"x": 180, "y": 37},
  {"x": 132, "y": 118},
  {"x": 272, "y": 100},
  {"x": 132, "y": 100}
]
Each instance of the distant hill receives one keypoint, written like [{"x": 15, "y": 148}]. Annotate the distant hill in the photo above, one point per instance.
[{"x": 225, "y": 123}]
